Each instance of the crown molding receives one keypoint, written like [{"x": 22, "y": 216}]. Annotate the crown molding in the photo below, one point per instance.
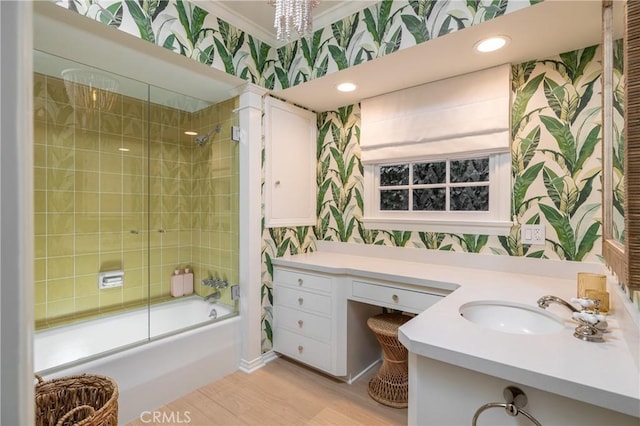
[{"x": 340, "y": 10}]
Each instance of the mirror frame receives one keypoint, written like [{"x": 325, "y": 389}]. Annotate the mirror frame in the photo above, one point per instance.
[
  {"x": 632, "y": 145},
  {"x": 617, "y": 257},
  {"x": 613, "y": 251}
]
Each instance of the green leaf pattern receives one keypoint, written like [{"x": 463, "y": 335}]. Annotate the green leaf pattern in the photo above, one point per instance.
[
  {"x": 376, "y": 31},
  {"x": 555, "y": 120},
  {"x": 555, "y": 172}
]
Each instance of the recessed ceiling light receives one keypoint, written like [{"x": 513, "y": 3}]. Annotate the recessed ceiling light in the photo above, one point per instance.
[
  {"x": 123, "y": 149},
  {"x": 191, "y": 133},
  {"x": 346, "y": 87},
  {"x": 492, "y": 44}
]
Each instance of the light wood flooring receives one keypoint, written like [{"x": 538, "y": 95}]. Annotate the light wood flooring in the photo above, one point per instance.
[{"x": 282, "y": 393}]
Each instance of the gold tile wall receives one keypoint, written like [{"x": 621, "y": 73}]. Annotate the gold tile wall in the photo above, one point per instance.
[{"x": 106, "y": 199}]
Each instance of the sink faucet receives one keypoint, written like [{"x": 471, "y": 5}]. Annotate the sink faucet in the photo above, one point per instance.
[
  {"x": 544, "y": 301},
  {"x": 592, "y": 325}
]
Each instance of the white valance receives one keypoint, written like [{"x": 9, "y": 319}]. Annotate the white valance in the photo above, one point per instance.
[{"x": 464, "y": 114}]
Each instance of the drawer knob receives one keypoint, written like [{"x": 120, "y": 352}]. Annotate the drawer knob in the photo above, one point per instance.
[
  {"x": 299, "y": 281},
  {"x": 300, "y": 322},
  {"x": 395, "y": 298},
  {"x": 300, "y": 349},
  {"x": 300, "y": 300}
]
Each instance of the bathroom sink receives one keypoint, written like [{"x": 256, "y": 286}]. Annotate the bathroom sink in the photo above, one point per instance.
[{"x": 510, "y": 317}]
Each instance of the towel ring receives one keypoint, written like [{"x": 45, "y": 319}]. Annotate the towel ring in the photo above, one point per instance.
[{"x": 516, "y": 399}]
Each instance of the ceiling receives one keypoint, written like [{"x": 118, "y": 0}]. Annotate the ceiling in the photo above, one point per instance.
[{"x": 536, "y": 32}]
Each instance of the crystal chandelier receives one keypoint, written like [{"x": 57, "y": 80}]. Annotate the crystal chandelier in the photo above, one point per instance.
[
  {"x": 293, "y": 14},
  {"x": 89, "y": 88}
]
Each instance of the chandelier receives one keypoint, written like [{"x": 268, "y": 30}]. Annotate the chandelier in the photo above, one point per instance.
[
  {"x": 293, "y": 14},
  {"x": 89, "y": 88}
]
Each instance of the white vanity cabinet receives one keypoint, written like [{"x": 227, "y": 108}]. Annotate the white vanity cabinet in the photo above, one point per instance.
[{"x": 313, "y": 323}]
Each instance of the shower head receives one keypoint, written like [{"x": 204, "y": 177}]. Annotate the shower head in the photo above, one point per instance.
[{"x": 201, "y": 140}]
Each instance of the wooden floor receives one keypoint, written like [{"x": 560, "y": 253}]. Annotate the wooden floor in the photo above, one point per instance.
[{"x": 281, "y": 393}]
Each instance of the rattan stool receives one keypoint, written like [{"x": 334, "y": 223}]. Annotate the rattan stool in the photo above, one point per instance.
[{"x": 390, "y": 385}]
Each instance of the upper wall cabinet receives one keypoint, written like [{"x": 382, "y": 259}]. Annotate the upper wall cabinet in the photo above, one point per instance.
[{"x": 290, "y": 165}]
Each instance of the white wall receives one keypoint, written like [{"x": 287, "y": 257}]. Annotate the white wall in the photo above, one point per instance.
[{"x": 16, "y": 218}]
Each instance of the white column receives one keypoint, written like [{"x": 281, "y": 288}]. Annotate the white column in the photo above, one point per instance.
[
  {"x": 250, "y": 119},
  {"x": 16, "y": 213}
]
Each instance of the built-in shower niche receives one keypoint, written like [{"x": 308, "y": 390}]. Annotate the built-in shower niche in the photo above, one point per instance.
[{"x": 120, "y": 186}]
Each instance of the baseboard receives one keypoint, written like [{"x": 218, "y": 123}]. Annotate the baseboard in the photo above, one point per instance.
[
  {"x": 357, "y": 376},
  {"x": 256, "y": 364},
  {"x": 267, "y": 357},
  {"x": 251, "y": 366}
]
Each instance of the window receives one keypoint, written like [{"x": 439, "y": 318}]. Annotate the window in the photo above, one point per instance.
[
  {"x": 450, "y": 185},
  {"x": 436, "y": 157},
  {"x": 469, "y": 195}
]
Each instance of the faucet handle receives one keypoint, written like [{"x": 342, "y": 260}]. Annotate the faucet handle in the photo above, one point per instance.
[{"x": 583, "y": 302}]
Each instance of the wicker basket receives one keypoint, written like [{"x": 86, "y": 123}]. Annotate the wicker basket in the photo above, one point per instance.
[{"x": 84, "y": 400}]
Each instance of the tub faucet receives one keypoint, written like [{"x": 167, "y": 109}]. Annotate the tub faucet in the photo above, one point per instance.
[
  {"x": 544, "y": 301},
  {"x": 216, "y": 282},
  {"x": 215, "y": 295}
]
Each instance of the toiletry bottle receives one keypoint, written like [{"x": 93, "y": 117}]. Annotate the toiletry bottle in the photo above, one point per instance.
[
  {"x": 177, "y": 284},
  {"x": 187, "y": 281}
]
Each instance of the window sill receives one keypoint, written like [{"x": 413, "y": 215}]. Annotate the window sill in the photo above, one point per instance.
[{"x": 482, "y": 227}]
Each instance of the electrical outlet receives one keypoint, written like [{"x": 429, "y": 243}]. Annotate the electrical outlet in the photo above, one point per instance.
[{"x": 532, "y": 234}]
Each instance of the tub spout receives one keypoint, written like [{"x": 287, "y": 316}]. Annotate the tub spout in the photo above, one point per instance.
[{"x": 215, "y": 295}]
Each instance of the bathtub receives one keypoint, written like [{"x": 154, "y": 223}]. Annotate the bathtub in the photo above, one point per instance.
[{"x": 162, "y": 353}]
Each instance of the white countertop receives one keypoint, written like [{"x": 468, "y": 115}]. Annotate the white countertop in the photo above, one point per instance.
[{"x": 602, "y": 374}]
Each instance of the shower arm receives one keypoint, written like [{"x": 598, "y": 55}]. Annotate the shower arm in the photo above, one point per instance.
[{"x": 202, "y": 139}]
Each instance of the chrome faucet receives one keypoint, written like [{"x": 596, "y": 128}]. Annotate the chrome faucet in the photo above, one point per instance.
[
  {"x": 215, "y": 295},
  {"x": 544, "y": 301},
  {"x": 215, "y": 283},
  {"x": 592, "y": 324}
]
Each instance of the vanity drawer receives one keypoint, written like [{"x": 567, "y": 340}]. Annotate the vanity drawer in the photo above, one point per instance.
[
  {"x": 393, "y": 297},
  {"x": 302, "y": 300},
  {"x": 303, "y": 323},
  {"x": 301, "y": 348},
  {"x": 301, "y": 280}
]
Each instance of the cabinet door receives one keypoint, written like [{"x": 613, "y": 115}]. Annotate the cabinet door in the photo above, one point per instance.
[{"x": 290, "y": 165}]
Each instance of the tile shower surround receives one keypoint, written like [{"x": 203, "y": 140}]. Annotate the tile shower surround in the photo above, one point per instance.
[{"x": 89, "y": 196}]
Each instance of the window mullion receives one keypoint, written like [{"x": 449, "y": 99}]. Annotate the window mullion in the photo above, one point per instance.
[
  {"x": 448, "y": 186},
  {"x": 410, "y": 187}
]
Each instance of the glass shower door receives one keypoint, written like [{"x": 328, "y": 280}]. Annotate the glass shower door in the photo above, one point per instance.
[{"x": 90, "y": 145}]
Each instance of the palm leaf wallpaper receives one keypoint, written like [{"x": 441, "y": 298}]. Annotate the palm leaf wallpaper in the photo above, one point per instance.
[
  {"x": 556, "y": 169},
  {"x": 189, "y": 30},
  {"x": 555, "y": 121}
]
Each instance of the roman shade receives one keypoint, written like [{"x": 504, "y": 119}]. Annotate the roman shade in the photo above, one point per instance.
[{"x": 466, "y": 114}]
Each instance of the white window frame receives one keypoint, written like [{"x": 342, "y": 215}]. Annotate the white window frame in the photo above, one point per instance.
[{"x": 496, "y": 221}]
